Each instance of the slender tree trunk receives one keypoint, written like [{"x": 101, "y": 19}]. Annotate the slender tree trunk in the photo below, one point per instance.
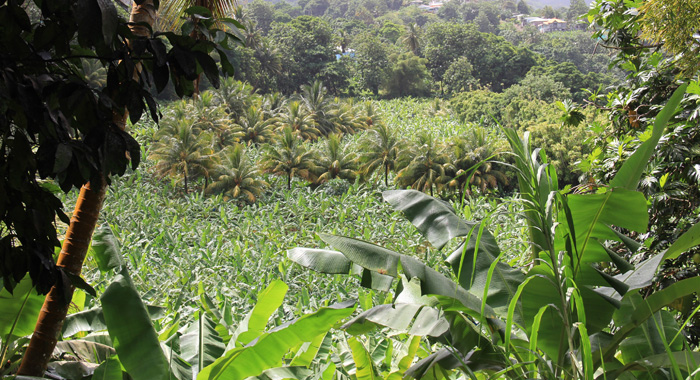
[
  {"x": 289, "y": 181},
  {"x": 75, "y": 246},
  {"x": 386, "y": 175}
]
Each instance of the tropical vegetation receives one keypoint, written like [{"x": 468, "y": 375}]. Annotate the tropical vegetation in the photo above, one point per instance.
[{"x": 354, "y": 190}]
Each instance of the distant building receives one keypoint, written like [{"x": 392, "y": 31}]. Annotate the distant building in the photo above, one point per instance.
[
  {"x": 546, "y": 25},
  {"x": 552, "y": 25}
]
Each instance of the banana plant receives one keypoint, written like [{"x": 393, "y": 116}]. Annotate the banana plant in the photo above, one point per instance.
[
  {"x": 118, "y": 337},
  {"x": 564, "y": 316}
]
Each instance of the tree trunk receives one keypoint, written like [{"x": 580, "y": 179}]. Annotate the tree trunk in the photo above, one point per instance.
[
  {"x": 76, "y": 244},
  {"x": 386, "y": 175},
  {"x": 289, "y": 181}
]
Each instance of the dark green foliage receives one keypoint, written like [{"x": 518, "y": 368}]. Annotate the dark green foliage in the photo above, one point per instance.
[
  {"x": 408, "y": 76},
  {"x": 496, "y": 62},
  {"x": 262, "y": 13},
  {"x": 55, "y": 125},
  {"x": 306, "y": 45},
  {"x": 371, "y": 61}
]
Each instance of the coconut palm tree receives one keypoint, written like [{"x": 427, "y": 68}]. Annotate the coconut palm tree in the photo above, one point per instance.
[
  {"x": 383, "y": 148},
  {"x": 211, "y": 117},
  {"x": 269, "y": 57},
  {"x": 412, "y": 38},
  {"x": 236, "y": 96},
  {"x": 298, "y": 119},
  {"x": 273, "y": 104},
  {"x": 334, "y": 160},
  {"x": 236, "y": 177},
  {"x": 345, "y": 118},
  {"x": 370, "y": 113},
  {"x": 171, "y": 13},
  {"x": 426, "y": 165},
  {"x": 255, "y": 127},
  {"x": 288, "y": 156},
  {"x": 181, "y": 152},
  {"x": 314, "y": 98},
  {"x": 470, "y": 164}
]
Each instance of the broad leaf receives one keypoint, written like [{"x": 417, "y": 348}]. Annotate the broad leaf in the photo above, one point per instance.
[
  {"x": 282, "y": 373},
  {"x": 472, "y": 261},
  {"x": 688, "y": 240},
  {"x": 320, "y": 260},
  {"x": 254, "y": 323},
  {"x": 132, "y": 333},
  {"x": 435, "y": 219},
  {"x": 85, "y": 351},
  {"x": 380, "y": 259},
  {"x": 201, "y": 345},
  {"x": 20, "y": 310},
  {"x": 308, "y": 351},
  {"x": 267, "y": 352},
  {"x": 110, "y": 369},
  {"x": 93, "y": 320},
  {"x": 642, "y": 312},
  {"x": 105, "y": 249},
  {"x": 363, "y": 362}
]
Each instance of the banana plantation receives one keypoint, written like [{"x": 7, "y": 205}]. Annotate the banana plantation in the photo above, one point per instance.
[{"x": 501, "y": 222}]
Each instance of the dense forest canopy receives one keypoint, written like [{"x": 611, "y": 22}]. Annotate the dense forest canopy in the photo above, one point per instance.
[{"x": 513, "y": 185}]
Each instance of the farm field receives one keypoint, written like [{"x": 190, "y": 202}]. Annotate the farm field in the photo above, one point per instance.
[{"x": 349, "y": 190}]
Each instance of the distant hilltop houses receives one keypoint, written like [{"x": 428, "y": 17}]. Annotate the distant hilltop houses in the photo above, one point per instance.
[
  {"x": 432, "y": 7},
  {"x": 544, "y": 25}
]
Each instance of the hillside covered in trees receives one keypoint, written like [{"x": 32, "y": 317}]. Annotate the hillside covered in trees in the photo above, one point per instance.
[{"x": 349, "y": 189}]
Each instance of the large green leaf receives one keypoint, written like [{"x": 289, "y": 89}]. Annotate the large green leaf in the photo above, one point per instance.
[
  {"x": 85, "y": 351},
  {"x": 20, "y": 310},
  {"x": 105, "y": 249},
  {"x": 473, "y": 261},
  {"x": 686, "y": 360},
  {"x": 283, "y": 373},
  {"x": 688, "y": 240},
  {"x": 642, "y": 311},
  {"x": 254, "y": 323},
  {"x": 132, "y": 333},
  {"x": 267, "y": 352},
  {"x": 201, "y": 345},
  {"x": 592, "y": 215},
  {"x": 631, "y": 171},
  {"x": 308, "y": 351},
  {"x": 110, "y": 369},
  {"x": 366, "y": 255},
  {"x": 363, "y": 362},
  {"x": 652, "y": 337},
  {"x": 380, "y": 259},
  {"x": 409, "y": 306},
  {"x": 93, "y": 320},
  {"x": 435, "y": 219},
  {"x": 320, "y": 260}
]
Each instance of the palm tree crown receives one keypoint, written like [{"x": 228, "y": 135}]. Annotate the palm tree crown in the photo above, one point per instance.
[
  {"x": 335, "y": 161},
  {"x": 288, "y": 156},
  {"x": 426, "y": 165},
  {"x": 182, "y": 152},
  {"x": 236, "y": 177},
  {"x": 382, "y": 151},
  {"x": 255, "y": 126}
]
